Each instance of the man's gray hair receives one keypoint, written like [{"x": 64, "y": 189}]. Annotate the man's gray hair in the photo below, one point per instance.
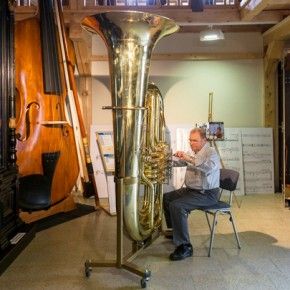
[{"x": 201, "y": 131}]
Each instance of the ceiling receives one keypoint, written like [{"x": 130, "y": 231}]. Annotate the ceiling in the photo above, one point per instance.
[
  {"x": 253, "y": 15},
  {"x": 270, "y": 17}
]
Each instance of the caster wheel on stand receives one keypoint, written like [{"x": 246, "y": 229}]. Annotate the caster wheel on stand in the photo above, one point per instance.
[
  {"x": 88, "y": 270},
  {"x": 145, "y": 278},
  {"x": 143, "y": 283}
]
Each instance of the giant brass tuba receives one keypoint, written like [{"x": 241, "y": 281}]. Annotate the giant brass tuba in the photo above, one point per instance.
[{"x": 130, "y": 37}]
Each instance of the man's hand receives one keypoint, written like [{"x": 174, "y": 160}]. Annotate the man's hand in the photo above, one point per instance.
[
  {"x": 183, "y": 156},
  {"x": 179, "y": 154}
]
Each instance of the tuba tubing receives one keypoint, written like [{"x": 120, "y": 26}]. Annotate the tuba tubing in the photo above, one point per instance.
[
  {"x": 130, "y": 37},
  {"x": 159, "y": 154}
]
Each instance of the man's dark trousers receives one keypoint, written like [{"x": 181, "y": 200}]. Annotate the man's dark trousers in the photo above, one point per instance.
[{"x": 179, "y": 203}]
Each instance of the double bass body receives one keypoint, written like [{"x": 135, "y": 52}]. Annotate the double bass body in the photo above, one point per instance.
[{"x": 42, "y": 126}]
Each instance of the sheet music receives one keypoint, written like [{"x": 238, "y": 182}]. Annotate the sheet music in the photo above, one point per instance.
[{"x": 258, "y": 160}]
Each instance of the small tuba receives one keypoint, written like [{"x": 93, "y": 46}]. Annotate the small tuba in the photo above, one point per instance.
[
  {"x": 130, "y": 37},
  {"x": 155, "y": 160}
]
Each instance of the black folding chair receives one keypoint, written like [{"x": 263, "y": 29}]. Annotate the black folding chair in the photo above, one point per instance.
[{"x": 228, "y": 181}]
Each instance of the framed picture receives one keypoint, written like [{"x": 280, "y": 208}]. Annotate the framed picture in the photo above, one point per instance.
[{"x": 215, "y": 131}]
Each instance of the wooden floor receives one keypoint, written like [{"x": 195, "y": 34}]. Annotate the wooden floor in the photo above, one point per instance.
[{"x": 55, "y": 258}]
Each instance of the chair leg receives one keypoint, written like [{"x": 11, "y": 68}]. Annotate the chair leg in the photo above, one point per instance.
[
  {"x": 239, "y": 204},
  {"x": 212, "y": 233},
  {"x": 209, "y": 225},
  {"x": 234, "y": 227}
]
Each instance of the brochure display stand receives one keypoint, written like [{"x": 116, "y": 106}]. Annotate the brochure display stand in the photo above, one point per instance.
[{"x": 102, "y": 151}]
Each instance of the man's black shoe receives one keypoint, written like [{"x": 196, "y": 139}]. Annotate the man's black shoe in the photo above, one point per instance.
[
  {"x": 181, "y": 252},
  {"x": 168, "y": 236}
]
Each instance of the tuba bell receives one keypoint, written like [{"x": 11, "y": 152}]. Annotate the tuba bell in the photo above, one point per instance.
[{"x": 141, "y": 153}]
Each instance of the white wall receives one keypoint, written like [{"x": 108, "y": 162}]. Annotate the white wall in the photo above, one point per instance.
[
  {"x": 237, "y": 84},
  {"x": 237, "y": 88},
  {"x": 101, "y": 97}
]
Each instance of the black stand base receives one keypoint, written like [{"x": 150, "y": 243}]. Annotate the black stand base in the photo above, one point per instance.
[
  {"x": 125, "y": 262},
  {"x": 9, "y": 254},
  {"x": 122, "y": 262},
  {"x": 145, "y": 274}
]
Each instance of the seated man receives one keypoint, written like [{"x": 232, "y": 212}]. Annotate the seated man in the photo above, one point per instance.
[{"x": 202, "y": 189}]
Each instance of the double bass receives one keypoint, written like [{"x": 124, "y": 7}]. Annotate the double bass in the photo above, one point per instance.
[{"x": 46, "y": 148}]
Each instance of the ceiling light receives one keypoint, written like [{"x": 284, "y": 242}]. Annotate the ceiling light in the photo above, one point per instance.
[{"x": 211, "y": 34}]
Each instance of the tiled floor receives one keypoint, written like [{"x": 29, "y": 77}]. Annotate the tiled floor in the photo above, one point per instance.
[{"x": 55, "y": 258}]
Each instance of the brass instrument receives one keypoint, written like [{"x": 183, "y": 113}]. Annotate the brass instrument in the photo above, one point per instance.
[
  {"x": 130, "y": 37},
  {"x": 141, "y": 154},
  {"x": 155, "y": 161}
]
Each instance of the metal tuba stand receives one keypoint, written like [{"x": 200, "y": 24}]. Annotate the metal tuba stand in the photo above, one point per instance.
[{"x": 122, "y": 262}]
